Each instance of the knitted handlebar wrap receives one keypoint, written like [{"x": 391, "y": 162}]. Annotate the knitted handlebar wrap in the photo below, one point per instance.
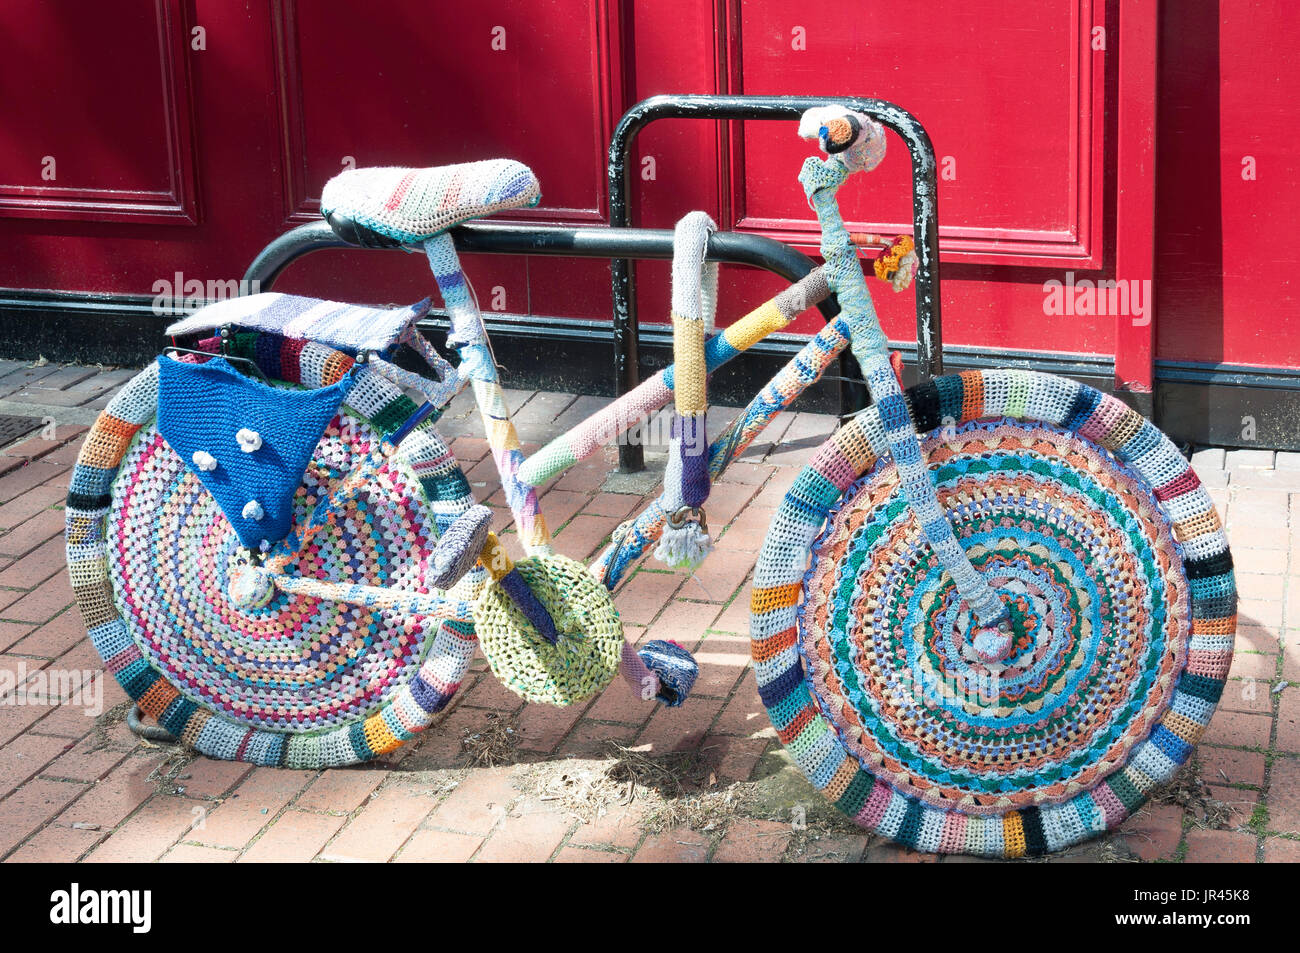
[
  {"x": 299, "y": 681},
  {"x": 1095, "y": 532},
  {"x": 821, "y": 181}
]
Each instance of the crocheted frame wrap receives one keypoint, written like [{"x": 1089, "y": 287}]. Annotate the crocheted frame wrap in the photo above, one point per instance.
[
  {"x": 1074, "y": 453},
  {"x": 427, "y": 492}
]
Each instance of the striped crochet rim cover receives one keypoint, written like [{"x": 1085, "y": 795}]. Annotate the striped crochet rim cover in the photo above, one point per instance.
[
  {"x": 874, "y": 802},
  {"x": 446, "y": 495}
]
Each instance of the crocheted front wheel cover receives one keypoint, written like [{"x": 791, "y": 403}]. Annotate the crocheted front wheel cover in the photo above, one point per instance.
[
  {"x": 300, "y": 681},
  {"x": 590, "y": 647},
  {"x": 1111, "y": 559}
]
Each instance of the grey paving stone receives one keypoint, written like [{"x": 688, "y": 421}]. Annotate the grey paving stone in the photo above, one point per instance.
[
  {"x": 24, "y": 377},
  {"x": 55, "y": 398},
  {"x": 8, "y": 366},
  {"x": 1287, "y": 460},
  {"x": 1240, "y": 458},
  {"x": 66, "y": 376},
  {"x": 580, "y": 410},
  {"x": 1208, "y": 458}
]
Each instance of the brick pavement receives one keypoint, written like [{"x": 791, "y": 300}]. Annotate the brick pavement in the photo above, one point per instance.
[{"x": 74, "y": 787}]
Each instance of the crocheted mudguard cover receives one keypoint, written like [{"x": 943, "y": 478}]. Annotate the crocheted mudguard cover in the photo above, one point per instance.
[
  {"x": 201, "y": 410},
  {"x": 1099, "y": 537},
  {"x": 301, "y": 682},
  {"x": 412, "y": 205},
  {"x": 586, "y": 657},
  {"x": 335, "y": 324}
]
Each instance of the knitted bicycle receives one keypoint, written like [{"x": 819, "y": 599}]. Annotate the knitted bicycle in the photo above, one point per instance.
[{"x": 991, "y": 614}]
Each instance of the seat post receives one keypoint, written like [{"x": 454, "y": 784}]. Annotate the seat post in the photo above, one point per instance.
[{"x": 468, "y": 335}]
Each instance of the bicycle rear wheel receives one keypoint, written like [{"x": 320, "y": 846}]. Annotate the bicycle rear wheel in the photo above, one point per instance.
[
  {"x": 300, "y": 682},
  {"x": 1109, "y": 554}
]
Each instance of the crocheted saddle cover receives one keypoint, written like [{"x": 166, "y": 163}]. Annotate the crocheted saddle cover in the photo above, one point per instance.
[
  {"x": 412, "y": 205},
  {"x": 1096, "y": 533},
  {"x": 301, "y": 681}
]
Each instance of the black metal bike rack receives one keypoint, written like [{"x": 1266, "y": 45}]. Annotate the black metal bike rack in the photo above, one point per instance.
[
  {"x": 929, "y": 354},
  {"x": 495, "y": 238}
]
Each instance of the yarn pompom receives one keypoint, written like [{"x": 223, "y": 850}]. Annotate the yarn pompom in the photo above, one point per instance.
[
  {"x": 250, "y": 587},
  {"x": 683, "y": 547}
]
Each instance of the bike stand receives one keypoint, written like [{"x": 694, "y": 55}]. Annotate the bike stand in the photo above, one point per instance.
[{"x": 925, "y": 224}]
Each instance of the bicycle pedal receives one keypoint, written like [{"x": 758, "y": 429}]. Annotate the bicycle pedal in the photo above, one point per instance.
[{"x": 459, "y": 546}]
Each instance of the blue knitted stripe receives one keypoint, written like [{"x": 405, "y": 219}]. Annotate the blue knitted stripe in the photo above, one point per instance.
[{"x": 776, "y": 690}]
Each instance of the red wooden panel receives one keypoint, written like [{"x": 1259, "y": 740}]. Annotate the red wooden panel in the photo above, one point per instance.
[
  {"x": 1136, "y": 202},
  {"x": 677, "y": 164},
  {"x": 117, "y": 150},
  {"x": 1012, "y": 101},
  {"x": 1229, "y": 184},
  {"x": 413, "y": 84}
]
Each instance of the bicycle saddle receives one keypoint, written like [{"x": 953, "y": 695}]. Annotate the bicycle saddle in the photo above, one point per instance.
[{"x": 383, "y": 207}]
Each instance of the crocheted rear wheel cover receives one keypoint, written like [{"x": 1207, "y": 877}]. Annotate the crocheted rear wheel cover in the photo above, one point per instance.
[
  {"x": 1089, "y": 523},
  {"x": 584, "y": 660},
  {"x": 301, "y": 681}
]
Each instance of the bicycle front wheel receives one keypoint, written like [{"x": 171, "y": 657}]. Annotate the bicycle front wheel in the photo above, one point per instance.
[
  {"x": 300, "y": 681},
  {"x": 1100, "y": 540}
]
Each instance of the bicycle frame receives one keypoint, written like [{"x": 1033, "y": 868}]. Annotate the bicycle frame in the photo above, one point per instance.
[
  {"x": 521, "y": 476},
  {"x": 821, "y": 180}
]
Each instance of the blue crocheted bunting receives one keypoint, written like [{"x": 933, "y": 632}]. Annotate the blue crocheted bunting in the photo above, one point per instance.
[{"x": 202, "y": 406}]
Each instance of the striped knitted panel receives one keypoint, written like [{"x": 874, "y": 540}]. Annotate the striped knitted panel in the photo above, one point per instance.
[
  {"x": 637, "y": 536},
  {"x": 469, "y": 337},
  {"x": 636, "y": 406}
]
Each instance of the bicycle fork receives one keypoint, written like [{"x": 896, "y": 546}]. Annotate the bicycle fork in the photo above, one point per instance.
[{"x": 821, "y": 180}]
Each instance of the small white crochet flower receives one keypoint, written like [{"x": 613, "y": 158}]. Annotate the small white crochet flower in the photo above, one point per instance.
[
  {"x": 204, "y": 461},
  {"x": 253, "y": 511},
  {"x": 249, "y": 440}
]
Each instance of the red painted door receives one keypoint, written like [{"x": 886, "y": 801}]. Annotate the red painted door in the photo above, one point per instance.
[{"x": 181, "y": 135}]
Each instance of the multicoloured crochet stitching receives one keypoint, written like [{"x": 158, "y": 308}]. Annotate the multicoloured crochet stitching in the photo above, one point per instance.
[
  {"x": 412, "y": 205},
  {"x": 1094, "y": 530},
  {"x": 298, "y": 681}
]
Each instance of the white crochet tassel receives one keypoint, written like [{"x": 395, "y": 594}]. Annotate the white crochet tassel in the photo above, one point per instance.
[{"x": 683, "y": 547}]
